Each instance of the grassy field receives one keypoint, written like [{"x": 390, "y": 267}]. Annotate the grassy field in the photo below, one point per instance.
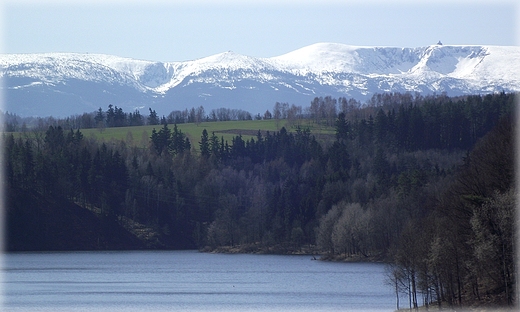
[
  {"x": 140, "y": 135},
  {"x": 226, "y": 129}
]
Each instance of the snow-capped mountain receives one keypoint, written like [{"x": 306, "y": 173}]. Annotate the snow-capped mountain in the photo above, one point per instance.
[{"x": 62, "y": 84}]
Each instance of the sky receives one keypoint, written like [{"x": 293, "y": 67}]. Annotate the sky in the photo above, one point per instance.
[{"x": 183, "y": 30}]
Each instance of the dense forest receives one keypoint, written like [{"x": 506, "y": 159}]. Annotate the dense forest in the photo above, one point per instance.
[{"x": 424, "y": 183}]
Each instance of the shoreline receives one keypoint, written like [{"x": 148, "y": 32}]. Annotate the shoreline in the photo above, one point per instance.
[{"x": 310, "y": 250}]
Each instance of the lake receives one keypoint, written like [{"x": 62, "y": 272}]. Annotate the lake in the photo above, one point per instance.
[{"x": 189, "y": 281}]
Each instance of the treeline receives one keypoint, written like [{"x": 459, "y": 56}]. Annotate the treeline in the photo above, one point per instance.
[
  {"x": 397, "y": 182},
  {"x": 115, "y": 117}
]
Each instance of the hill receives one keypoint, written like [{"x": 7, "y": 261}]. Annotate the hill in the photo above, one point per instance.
[
  {"x": 140, "y": 135},
  {"x": 427, "y": 185},
  {"x": 36, "y": 222},
  {"x": 63, "y": 84}
]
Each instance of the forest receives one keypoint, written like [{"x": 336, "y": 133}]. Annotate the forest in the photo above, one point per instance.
[{"x": 423, "y": 183}]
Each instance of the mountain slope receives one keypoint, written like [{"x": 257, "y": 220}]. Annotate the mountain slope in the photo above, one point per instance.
[{"x": 61, "y": 84}]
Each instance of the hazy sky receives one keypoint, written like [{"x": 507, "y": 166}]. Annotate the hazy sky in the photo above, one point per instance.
[{"x": 186, "y": 30}]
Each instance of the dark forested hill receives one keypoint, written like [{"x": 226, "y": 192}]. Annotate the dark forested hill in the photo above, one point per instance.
[
  {"x": 35, "y": 222},
  {"x": 423, "y": 182}
]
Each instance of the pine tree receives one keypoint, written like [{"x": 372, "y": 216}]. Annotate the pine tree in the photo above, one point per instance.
[
  {"x": 342, "y": 128},
  {"x": 153, "y": 119},
  {"x": 204, "y": 144}
]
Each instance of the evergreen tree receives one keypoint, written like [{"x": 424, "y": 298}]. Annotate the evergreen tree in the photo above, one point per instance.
[
  {"x": 111, "y": 116},
  {"x": 161, "y": 140},
  {"x": 135, "y": 118},
  {"x": 342, "y": 128},
  {"x": 204, "y": 144},
  {"x": 99, "y": 119},
  {"x": 153, "y": 119}
]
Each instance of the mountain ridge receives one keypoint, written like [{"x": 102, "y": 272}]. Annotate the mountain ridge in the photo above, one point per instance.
[{"x": 73, "y": 83}]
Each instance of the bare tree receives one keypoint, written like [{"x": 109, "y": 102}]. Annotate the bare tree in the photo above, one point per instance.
[
  {"x": 325, "y": 228},
  {"x": 492, "y": 244},
  {"x": 294, "y": 114},
  {"x": 199, "y": 115}
]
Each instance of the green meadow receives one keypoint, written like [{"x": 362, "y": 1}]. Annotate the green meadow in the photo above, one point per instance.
[{"x": 248, "y": 129}]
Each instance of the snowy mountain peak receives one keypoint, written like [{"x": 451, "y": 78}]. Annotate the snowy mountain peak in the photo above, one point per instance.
[
  {"x": 229, "y": 61},
  {"x": 329, "y": 57},
  {"x": 35, "y": 84}
]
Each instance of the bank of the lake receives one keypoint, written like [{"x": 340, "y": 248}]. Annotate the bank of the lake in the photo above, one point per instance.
[
  {"x": 257, "y": 248},
  {"x": 285, "y": 249}
]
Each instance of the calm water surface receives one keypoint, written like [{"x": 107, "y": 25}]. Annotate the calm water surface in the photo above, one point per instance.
[{"x": 189, "y": 281}]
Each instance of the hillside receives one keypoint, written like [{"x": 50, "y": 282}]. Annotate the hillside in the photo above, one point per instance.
[
  {"x": 424, "y": 183},
  {"x": 140, "y": 135},
  {"x": 63, "y": 84},
  {"x": 36, "y": 222}
]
